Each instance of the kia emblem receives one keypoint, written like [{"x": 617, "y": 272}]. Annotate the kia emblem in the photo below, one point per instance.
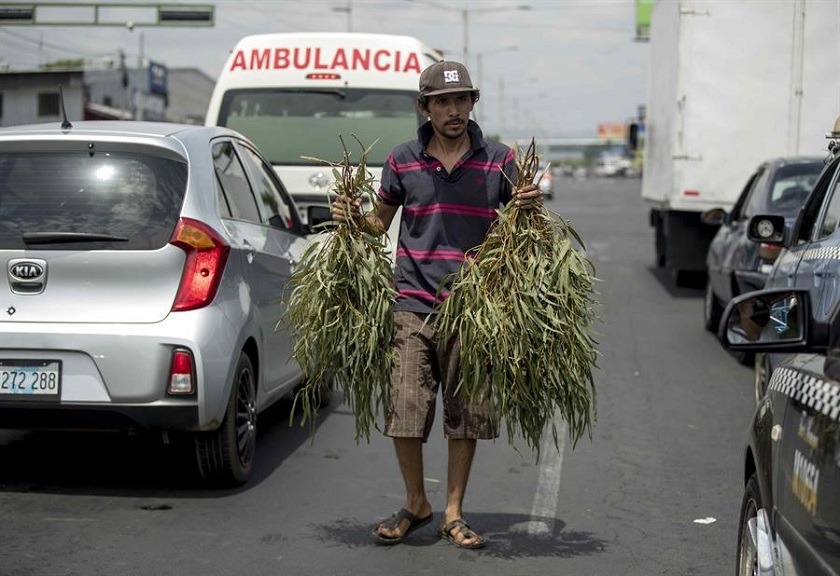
[{"x": 27, "y": 270}]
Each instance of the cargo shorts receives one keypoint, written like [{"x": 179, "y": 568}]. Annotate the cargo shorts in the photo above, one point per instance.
[{"x": 424, "y": 364}]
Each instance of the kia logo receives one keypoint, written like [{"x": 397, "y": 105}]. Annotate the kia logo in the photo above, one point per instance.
[{"x": 27, "y": 270}]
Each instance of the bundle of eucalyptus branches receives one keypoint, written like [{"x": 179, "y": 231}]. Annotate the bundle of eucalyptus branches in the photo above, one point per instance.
[
  {"x": 523, "y": 309},
  {"x": 341, "y": 308}
]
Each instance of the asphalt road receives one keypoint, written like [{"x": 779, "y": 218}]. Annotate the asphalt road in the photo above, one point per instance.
[{"x": 656, "y": 491}]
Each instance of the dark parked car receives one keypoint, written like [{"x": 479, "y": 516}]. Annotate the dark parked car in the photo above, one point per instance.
[
  {"x": 144, "y": 264},
  {"x": 790, "y": 512},
  {"x": 735, "y": 264},
  {"x": 809, "y": 249}
]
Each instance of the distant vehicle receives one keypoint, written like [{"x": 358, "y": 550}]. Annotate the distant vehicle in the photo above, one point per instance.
[
  {"x": 295, "y": 94},
  {"x": 612, "y": 165},
  {"x": 144, "y": 268},
  {"x": 699, "y": 141},
  {"x": 546, "y": 181},
  {"x": 734, "y": 263}
]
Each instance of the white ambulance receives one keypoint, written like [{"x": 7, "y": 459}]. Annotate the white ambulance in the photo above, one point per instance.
[{"x": 295, "y": 94}]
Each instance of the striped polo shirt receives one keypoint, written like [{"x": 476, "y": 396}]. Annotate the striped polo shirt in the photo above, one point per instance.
[{"x": 444, "y": 215}]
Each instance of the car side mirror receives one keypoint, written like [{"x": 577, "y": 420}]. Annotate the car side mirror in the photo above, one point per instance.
[
  {"x": 318, "y": 215},
  {"x": 771, "y": 320},
  {"x": 767, "y": 229}
]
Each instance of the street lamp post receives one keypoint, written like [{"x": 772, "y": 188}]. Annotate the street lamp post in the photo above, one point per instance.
[
  {"x": 347, "y": 10},
  {"x": 480, "y": 69},
  {"x": 465, "y": 15}
]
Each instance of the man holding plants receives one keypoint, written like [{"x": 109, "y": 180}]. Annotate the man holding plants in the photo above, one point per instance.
[{"x": 450, "y": 182}]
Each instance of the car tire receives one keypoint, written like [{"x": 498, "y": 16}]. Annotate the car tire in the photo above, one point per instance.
[
  {"x": 712, "y": 310},
  {"x": 225, "y": 456},
  {"x": 747, "y": 558},
  {"x": 761, "y": 375}
]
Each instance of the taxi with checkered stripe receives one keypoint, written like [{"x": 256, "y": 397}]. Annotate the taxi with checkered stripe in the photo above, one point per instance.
[{"x": 790, "y": 510}]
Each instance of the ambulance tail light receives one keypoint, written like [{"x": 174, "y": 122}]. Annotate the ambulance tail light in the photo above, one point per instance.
[{"x": 323, "y": 76}]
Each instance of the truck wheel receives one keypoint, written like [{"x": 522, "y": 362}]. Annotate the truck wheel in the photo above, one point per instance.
[
  {"x": 747, "y": 550},
  {"x": 225, "y": 456},
  {"x": 712, "y": 309}
]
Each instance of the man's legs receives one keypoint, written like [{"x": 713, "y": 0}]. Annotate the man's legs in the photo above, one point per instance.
[
  {"x": 410, "y": 458},
  {"x": 461, "y": 453}
]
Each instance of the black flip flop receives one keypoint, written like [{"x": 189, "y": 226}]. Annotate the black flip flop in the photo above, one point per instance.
[{"x": 394, "y": 521}]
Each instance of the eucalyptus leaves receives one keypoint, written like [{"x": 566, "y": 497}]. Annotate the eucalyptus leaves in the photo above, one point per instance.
[
  {"x": 523, "y": 310},
  {"x": 341, "y": 309}
]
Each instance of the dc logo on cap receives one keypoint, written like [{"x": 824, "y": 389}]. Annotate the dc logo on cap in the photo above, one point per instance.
[{"x": 451, "y": 76}]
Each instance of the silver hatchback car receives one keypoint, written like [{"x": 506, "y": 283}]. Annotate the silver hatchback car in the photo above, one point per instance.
[{"x": 144, "y": 268}]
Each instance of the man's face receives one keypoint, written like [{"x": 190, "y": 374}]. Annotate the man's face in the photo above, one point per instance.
[{"x": 449, "y": 113}]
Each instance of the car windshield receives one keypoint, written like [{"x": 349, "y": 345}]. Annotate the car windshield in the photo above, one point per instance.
[
  {"x": 289, "y": 124},
  {"x": 72, "y": 201},
  {"x": 791, "y": 185}
]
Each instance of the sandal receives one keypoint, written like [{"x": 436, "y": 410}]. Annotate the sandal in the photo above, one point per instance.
[
  {"x": 465, "y": 533},
  {"x": 394, "y": 521}
]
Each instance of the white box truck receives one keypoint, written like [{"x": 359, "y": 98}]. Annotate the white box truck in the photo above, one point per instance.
[
  {"x": 731, "y": 84},
  {"x": 294, "y": 94}
]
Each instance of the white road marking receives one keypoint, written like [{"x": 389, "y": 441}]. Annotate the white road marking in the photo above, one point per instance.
[{"x": 547, "y": 493}]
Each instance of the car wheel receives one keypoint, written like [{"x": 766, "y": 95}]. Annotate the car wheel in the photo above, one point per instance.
[
  {"x": 225, "y": 456},
  {"x": 747, "y": 550},
  {"x": 712, "y": 309},
  {"x": 761, "y": 375}
]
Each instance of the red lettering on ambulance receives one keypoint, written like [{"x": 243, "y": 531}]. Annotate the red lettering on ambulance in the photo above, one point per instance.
[
  {"x": 340, "y": 59},
  {"x": 281, "y": 58},
  {"x": 413, "y": 63},
  {"x": 238, "y": 61},
  {"x": 301, "y": 61},
  {"x": 361, "y": 59},
  {"x": 377, "y": 60},
  {"x": 314, "y": 58},
  {"x": 260, "y": 58}
]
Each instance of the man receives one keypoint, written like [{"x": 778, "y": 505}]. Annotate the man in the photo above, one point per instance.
[{"x": 450, "y": 183}]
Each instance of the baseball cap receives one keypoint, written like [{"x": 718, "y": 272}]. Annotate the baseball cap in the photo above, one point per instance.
[{"x": 444, "y": 77}]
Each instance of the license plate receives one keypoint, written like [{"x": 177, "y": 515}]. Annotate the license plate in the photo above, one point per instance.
[{"x": 30, "y": 379}]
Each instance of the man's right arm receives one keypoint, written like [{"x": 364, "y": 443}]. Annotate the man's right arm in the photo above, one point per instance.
[
  {"x": 376, "y": 222},
  {"x": 379, "y": 219}
]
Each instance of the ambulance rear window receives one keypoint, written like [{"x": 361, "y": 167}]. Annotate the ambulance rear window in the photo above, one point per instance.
[{"x": 289, "y": 123}]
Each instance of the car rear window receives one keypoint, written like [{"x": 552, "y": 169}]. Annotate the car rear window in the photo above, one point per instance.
[
  {"x": 103, "y": 201},
  {"x": 791, "y": 185}
]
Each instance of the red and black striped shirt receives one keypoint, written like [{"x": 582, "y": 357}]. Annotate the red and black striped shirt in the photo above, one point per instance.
[{"x": 444, "y": 215}]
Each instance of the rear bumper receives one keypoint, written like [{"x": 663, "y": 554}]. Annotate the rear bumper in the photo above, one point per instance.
[
  {"x": 27, "y": 415},
  {"x": 114, "y": 376}
]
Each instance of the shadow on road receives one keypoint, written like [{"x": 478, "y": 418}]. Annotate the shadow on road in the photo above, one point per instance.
[
  {"x": 688, "y": 285},
  {"x": 506, "y": 534},
  {"x": 119, "y": 463}
]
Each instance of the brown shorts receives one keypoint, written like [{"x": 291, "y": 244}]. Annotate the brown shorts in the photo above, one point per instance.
[{"x": 423, "y": 364}]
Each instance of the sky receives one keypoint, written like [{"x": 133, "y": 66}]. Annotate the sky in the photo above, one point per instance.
[{"x": 557, "y": 69}]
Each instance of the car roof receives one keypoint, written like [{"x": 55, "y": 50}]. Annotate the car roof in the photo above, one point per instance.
[
  {"x": 115, "y": 128},
  {"x": 793, "y": 160}
]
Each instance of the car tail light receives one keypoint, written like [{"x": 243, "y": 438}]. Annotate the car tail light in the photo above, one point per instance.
[
  {"x": 769, "y": 252},
  {"x": 181, "y": 374},
  {"x": 206, "y": 257}
]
